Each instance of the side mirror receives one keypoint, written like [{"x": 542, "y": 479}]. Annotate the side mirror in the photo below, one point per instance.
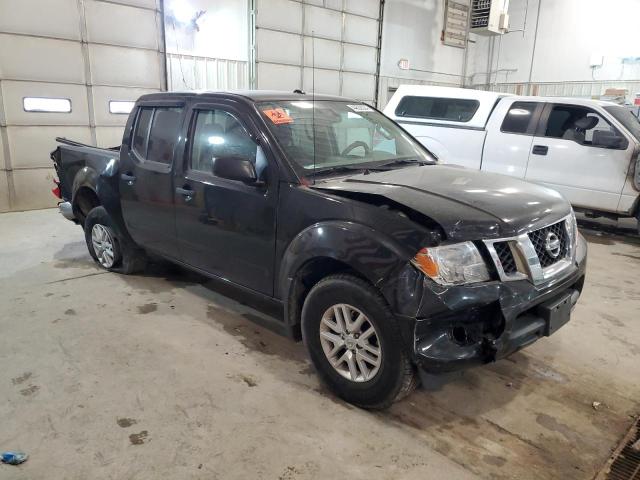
[
  {"x": 608, "y": 140},
  {"x": 236, "y": 168}
]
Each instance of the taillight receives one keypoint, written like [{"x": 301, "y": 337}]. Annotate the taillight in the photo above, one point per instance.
[{"x": 56, "y": 190}]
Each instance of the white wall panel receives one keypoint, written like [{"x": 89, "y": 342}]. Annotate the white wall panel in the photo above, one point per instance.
[
  {"x": 359, "y": 59},
  {"x": 4, "y": 192},
  {"x": 332, "y": 4},
  {"x": 55, "y": 18},
  {"x": 327, "y": 53},
  {"x": 121, "y": 66},
  {"x": 323, "y": 22},
  {"x": 14, "y": 92},
  {"x": 33, "y": 188},
  {"x": 326, "y": 81},
  {"x": 368, "y": 8},
  {"x": 3, "y": 165},
  {"x": 344, "y": 42},
  {"x": 109, "y": 136},
  {"x": 119, "y": 25},
  {"x": 278, "y": 77},
  {"x": 46, "y": 49},
  {"x": 30, "y": 58},
  {"x": 412, "y": 30},
  {"x": 359, "y": 86},
  {"x": 285, "y": 15},
  {"x": 153, "y": 4},
  {"x": 102, "y": 96},
  {"x": 278, "y": 47},
  {"x": 30, "y": 146},
  {"x": 361, "y": 30}
]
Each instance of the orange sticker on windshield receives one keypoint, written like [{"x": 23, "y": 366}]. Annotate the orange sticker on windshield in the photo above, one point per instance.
[{"x": 278, "y": 116}]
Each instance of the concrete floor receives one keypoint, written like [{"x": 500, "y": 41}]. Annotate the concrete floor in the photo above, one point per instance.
[{"x": 162, "y": 376}]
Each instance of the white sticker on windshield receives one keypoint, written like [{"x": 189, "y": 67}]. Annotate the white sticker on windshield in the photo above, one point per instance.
[{"x": 360, "y": 108}]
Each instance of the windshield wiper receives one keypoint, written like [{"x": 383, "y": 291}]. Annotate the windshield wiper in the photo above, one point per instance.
[
  {"x": 344, "y": 168},
  {"x": 404, "y": 161}
]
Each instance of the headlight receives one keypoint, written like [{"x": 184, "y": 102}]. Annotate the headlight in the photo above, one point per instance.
[
  {"x": 452, "y": 264},
  {"x": 573, "y": 228}
]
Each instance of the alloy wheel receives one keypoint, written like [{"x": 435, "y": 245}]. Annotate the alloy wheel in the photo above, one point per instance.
[
  {"x": 350, "y": 342},
  {"x": 103, "y": 245}
]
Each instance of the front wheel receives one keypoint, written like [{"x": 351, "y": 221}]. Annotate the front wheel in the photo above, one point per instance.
[
  {"x": 354, "y": 342},
  {"x": 109, "y": 249}
]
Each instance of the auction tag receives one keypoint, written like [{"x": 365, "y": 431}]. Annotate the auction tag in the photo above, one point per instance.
[
  {"x": 278, "y": 116},
  {"x": 360, "y": 108}
]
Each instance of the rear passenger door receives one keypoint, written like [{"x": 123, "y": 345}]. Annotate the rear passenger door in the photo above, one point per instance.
[
  {"x": 510, "y": 132},
  {"x": 146, "y": 182}
]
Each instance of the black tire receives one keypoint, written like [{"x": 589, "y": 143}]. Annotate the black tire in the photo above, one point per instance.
[
  {"x": 127, "y": 257},
  {"x": 396, "y": 377}
]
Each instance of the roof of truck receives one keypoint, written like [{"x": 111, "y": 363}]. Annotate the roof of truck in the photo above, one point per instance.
[
  {"x": 486, "y": 101},
  {"x": 253, "y": 95},
  {"x": 574, "y": 100}
]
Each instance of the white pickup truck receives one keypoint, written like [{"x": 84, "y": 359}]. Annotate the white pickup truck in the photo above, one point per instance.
[{"x": 587, "y": 150}]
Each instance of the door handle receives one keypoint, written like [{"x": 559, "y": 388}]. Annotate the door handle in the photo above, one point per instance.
[
  {"x": 129, "y": 178},
  {"x": 540, "y": 150},
  {"x": 187, "y": 193}
]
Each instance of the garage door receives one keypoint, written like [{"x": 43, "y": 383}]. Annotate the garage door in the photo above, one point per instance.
[
  {"x": 346, "y": 46},
  {"x": 69, "y": 70}
]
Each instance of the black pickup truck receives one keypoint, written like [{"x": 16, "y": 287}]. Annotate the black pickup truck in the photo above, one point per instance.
[{"x": 383, "y": 260}]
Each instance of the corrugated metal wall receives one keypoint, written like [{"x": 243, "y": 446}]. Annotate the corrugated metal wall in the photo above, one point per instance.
[
  {"x": 346, "y": 46},
  {"x": 90, "y": 52}
]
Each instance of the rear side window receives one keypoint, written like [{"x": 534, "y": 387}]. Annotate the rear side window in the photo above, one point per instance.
[
  {"x": 156, "y": 133},
  {"x": 519, "y": 118},
  {"x": 453, "y": 109},
  {"x": 142, "y": 131}
]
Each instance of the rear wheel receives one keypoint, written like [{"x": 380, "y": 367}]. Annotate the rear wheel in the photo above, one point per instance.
[
  {"x": 354, "y": 342},
  {"x": 108, "y": 248}
]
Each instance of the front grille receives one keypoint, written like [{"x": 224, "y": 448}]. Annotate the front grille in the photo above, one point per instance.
[
  {"x": 539, "y": 241},
  {"x": 506, "y": 257}
]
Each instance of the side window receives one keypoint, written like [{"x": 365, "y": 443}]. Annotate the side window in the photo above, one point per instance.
[
  {"x": 156, "y": 133},
  {"x": 582, "y": 125},
  {"x": 163, "y": 134},
  {"x": 142, "y": 131},
  {"x": 453, "y": 109},
  {"x": 218, "y": 133},
  {"x": 519, "y": 118}
]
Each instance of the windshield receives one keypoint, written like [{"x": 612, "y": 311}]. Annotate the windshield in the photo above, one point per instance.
[
  {"x": 627, "y": 119},
  {"x": 346, "y": 135}
]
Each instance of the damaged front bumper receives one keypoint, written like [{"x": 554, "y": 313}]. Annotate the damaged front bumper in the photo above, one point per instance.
[{"x": 457, "y": 327}]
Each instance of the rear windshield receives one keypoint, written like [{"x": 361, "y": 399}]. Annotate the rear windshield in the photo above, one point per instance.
[
  {"x": 453, "y": 109},
  {"x": 626, "y": 118}
]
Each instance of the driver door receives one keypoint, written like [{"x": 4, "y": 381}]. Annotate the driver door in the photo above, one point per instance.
[
  {"x": 225, "y": 227},
  {"x": 576, "y": 162}
]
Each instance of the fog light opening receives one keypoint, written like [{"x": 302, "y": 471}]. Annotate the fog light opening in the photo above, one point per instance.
[{"x": 460, "y": 336}]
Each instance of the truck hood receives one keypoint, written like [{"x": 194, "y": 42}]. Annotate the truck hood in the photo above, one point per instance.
[{"x": 468, "y": 204}]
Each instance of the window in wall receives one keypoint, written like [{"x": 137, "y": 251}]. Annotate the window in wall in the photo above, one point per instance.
[
  {"x": 453, "y": 109},
  {"x": 519, "y": 118},
  {"x": 218, "y": 133},
  {"x": 46, "y": 104},
  {"x": 120, "y": 106}
]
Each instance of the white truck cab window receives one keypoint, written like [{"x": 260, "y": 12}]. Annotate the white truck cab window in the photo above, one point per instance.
[{"x": 582, "y": 125}]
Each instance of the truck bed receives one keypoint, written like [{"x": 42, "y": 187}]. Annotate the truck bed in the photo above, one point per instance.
[{"x": 71, "y": 157}]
